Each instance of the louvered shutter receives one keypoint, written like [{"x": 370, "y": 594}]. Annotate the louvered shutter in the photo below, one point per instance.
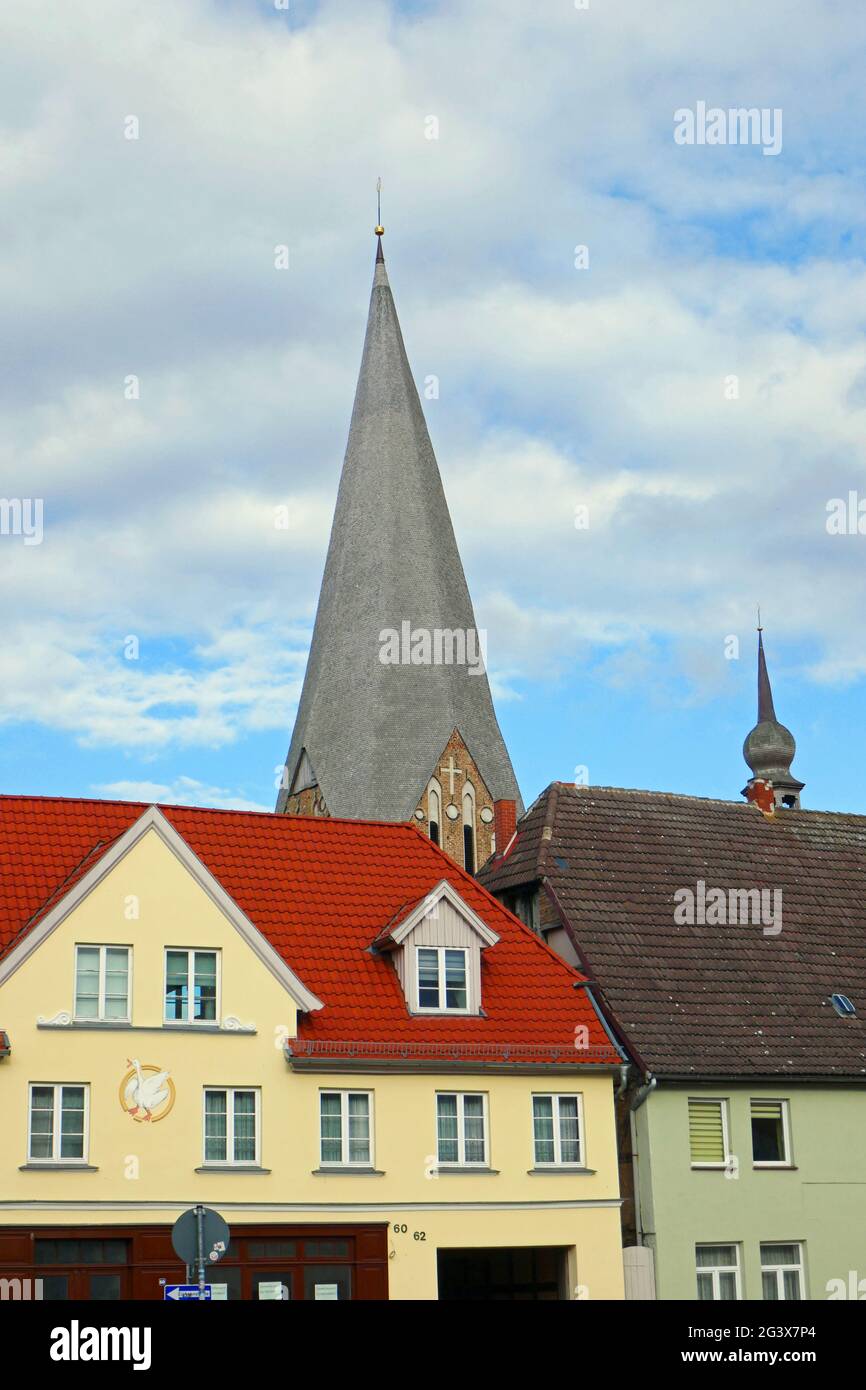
[
  {"x": 766, "y": 1110},
  {"x": 706, "y": 1131}
]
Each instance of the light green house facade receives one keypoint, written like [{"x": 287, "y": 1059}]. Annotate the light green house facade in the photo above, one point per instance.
[{"x": 746, "y": 1228}]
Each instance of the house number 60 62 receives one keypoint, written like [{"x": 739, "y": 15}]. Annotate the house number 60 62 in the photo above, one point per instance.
[{"x": 400, "y": 1229}]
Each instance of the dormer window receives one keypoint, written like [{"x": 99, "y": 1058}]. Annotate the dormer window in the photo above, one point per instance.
[
  {"x": 436, "y": 946},
  {"x": 442, "y": 979}
]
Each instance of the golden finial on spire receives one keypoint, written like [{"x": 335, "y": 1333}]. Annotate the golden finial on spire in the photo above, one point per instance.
[{"x": 379, "y": 229}]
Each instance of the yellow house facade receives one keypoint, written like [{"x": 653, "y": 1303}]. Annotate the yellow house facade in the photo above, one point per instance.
[{"x": 164, "y": 1050}]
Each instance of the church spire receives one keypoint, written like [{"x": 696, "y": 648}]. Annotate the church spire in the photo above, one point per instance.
[
  {"x": 769, "y": 749},
  {"x": 395, "y": 687}
]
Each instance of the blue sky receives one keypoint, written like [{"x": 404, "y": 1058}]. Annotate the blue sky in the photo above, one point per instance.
[{"x": 607, "y": 387}]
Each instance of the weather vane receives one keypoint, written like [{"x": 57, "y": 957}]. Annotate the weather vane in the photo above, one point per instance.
[
  {"x": 760, "y": 629},
  {"x": 379, "y": 229}
]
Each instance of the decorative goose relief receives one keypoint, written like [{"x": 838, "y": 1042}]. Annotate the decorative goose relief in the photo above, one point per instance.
[{"x": 146, "y": 1092}]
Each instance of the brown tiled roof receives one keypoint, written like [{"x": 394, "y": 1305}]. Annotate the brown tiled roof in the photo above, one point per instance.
[{"x": 700, "y": 999}]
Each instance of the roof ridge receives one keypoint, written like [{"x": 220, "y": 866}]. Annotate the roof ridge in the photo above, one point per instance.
[
  {"x": 208, "y": 810},
  {"x": 582, "y": 789}
]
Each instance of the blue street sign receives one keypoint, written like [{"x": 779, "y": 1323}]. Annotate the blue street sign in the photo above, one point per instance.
[{"x": 185, "y": 1291}]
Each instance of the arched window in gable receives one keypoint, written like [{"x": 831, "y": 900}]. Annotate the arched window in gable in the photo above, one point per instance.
[
  {"x": 434, "y": 810},
  {"x": 469, "y": 828}
]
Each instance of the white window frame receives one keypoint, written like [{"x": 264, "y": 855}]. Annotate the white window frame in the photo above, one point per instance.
[
  {"x": 442, "y": 1007},
  {"x": 558, "y": 1161},
  {"x": 462, "y": 1161},
  {"x": 103, "y": 949},
  {"x": 711, "y": 1167},
  {"x": 231, "y": 1162},
  {"x": 345, "y": 1161},
  {"x": 716, "y": 1270},
  {"x": 58, "y": 1088},
  {"x": 780, "y": 1270},
  {"x": 786, "y": 1133},
  {"x": 192, "y": 951}
]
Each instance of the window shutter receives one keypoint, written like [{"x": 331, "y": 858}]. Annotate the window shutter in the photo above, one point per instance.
[
  {"x": 766, "y": 1110},
  {"x": 706, "y": 1131}
]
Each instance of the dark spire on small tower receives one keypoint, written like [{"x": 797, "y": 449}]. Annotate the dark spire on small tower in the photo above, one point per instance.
[{"x": 769, "y": 749}]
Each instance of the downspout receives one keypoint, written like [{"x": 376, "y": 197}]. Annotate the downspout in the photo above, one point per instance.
[{"x": 641, "y": 1095}]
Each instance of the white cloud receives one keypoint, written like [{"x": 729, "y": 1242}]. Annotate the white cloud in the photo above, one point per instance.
[
  {"x": 183, "y": 791},
  {"x": 559, "y": 387}
]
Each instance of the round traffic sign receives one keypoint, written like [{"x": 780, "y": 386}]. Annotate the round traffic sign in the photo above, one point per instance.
[{"x": 215, "y": 1236}]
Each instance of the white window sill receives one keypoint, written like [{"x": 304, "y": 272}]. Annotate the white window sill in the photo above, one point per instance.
[
  {"x": 551, "y": 1169},
  {"x": 465, "y": 1168},
  {"x": 444, "y": 1013},
  {"x": 57, "y": 1166},
  {"x": 231, "y": 1168},
  {"x": 345, "y": 1170},
  {"x": 101, "y": 1022}
]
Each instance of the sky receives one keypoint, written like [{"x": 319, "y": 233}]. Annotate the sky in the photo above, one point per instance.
[{"x": 663, "y": 340}]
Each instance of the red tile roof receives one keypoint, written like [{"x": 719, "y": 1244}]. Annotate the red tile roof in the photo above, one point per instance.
[
  {"x": 320, "y": 890},
  {"x": 700, "y": 999}
]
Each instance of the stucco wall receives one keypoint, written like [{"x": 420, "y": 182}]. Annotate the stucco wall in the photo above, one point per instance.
[
  {"x": 820, "y": 1201},
  {"x": 147, "y": 1171}
]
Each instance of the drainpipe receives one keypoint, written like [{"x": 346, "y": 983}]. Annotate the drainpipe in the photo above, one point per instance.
[
  {"x": 640, "y": 1096},
  {"x": 623, "y": 1079}
]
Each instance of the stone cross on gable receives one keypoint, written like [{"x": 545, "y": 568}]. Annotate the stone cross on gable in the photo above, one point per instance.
[{"x": 452, "y": 771}]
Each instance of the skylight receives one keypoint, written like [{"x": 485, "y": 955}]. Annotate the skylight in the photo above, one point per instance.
[{"x": 843, "y": 1006}]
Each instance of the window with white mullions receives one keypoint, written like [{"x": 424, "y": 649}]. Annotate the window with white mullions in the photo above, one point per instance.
[
  {"x": 190, "y": 986},
  {"x": 346, "y": 1132},
  {"x": 556, "y": 1121},
  {"x": 231, "y": 1125},
  {"x": 718, "y": 1271},
  {"x": 782, "y": 1272},
  {"x": 102, "y": 983},
  {"x": 461, "y": 1128},
  {"x": 442, "y": 979},
  {"x": 58, "y": 1124}
]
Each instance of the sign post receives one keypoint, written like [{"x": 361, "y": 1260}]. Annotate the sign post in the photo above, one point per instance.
[
  {"x": 200, "y": 1234},
  {"x": 199, "y": 1241}
]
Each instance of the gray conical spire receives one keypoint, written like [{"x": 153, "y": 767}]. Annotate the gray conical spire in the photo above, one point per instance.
[
  {"x": 769, "y": 749},
  {"x": 371, "y": 731}
]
